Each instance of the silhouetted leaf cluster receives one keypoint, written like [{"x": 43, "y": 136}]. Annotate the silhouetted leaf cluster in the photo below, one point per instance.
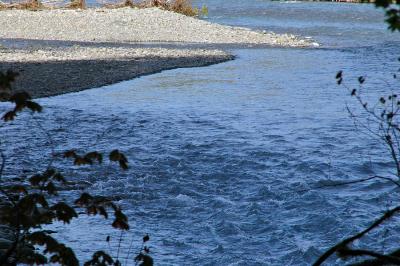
[
  {"x": 117, "y": 156},
  {"x": 144, "y": 258},
  {"x": 60, "y": 253},
  {"x": 94, "y": 156},
  {"x": 21, "y": 99},
  {"x": 99, "y": 206},
  {"x": 101, "y": 258},
  {"x": 392, "y": 10},
  {"x": 28, "y": 203}
]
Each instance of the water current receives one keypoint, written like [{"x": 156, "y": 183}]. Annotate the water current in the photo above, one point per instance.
[{"x": 223, "y": 157}]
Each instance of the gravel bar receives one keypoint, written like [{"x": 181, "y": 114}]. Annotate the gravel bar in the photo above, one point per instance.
[
  {"x": 107, "y": 55},
  {"x": 129, "y": 25},
  {"x": 49, "y": 72}
]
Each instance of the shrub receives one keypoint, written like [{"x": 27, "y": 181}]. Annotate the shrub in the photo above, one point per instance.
[
  {"x": 29, "y": 5},
  {"x": 77, "y": 4},
  {"x": 184, "y": 7}
]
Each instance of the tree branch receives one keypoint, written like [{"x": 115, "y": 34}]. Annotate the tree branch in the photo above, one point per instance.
[
  {"x": 360, "y": 252},
  {"x": 352, "y": 182},
  {"x": 346, "y": 241}
]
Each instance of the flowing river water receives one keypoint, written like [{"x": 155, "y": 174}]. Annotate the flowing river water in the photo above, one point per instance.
[{"x": 223, "y": 157}]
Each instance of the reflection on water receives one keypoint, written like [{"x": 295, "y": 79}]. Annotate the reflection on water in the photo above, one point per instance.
[{"x": 219, "y": 154}]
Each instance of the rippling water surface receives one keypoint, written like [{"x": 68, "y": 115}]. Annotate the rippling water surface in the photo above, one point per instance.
[{"x": 222, "y": 156}]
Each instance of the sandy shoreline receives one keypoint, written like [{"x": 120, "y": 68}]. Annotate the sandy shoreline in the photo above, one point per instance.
[{"x": 47, "y": 70}]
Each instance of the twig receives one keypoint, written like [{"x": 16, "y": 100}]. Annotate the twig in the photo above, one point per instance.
[
  {"x": 119, "y": 244},
  {"x": 360, "y": 252},
  {"x": 345, "y": 242},
  {"x": 51, "y": 141},
  {"x": 376, "y": 262},
  {"x": 352, "y": 182},
  {"x": 129, "y": 250},
  {"x": 3, "y": 164}
]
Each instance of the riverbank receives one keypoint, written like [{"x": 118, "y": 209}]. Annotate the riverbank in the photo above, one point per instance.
[
  {"x": 49, "y": 72},
  {"x": 100, "y": 52}
]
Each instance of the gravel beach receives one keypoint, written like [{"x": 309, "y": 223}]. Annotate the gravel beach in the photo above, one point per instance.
[
  {"x": 100, "y": 52},
  {"x": 49, "y": 72}
]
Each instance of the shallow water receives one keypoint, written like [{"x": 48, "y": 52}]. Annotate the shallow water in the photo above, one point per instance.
[{"x": 220, "y": 156}]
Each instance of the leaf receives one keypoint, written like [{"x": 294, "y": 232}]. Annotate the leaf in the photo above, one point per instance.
[
  {"x": 382, "y": 3},
  {"x": 70, "y": 154},
  {"x": 35, "y": 259},
  {"x": 123, "y": 165},
  {"x": 20, "y": 97},
  {"x": 9, "y": 116},
  {"x": 59, "y": 177},
  {"x": 121, "y": 221},
  {"x": 146, "y": 238},
  {"x": 36, "y": 179},
  {"x": 339, "y": 74},
  {"x": 48, "y": 174},
  {"x": 114, "y": 156},
  {"x": 64, "y": 212},
  {"x": 7, "y": 78},
  {"x": 361, "y": 79},
  {"x": 91, "y": 210},
  {"x": 18, "y": 189},
  {"x": 84, "y": 200},
  {"x": 145, "y": 259},
  {"x": 94, "y": 156},
  {"x": 100, "y": 258},
  {"x": 82, "y": 161},
  {"x": 54, "y": 258},
  {"x": 119, "y": 157},
  {"x": 51, "y": 188},
  {"x": 64, "y": 255},
  {"x": 34, "y": 107},
  {"x": 102, "y": 211},
  {"x": 118, "y": 224}
]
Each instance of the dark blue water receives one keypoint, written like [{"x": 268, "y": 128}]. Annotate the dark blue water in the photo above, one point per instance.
[{"x": 223, "y": 157}]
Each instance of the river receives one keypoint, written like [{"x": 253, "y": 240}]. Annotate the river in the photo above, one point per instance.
[{"x": 223, "y": 157}]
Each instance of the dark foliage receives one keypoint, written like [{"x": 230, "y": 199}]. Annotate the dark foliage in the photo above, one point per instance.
[
  {"x": 143, "y": 257},
  {"x": 392, "y": 10},
  {"x": 29, "y": 203}
]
